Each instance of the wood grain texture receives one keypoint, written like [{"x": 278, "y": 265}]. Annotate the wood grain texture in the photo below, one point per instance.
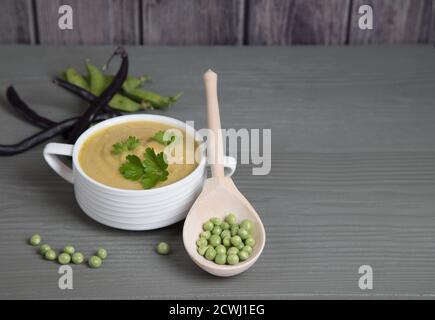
[
  {"x": 286, "y": 22},
  {"x": 394, "y": 21},
  {"x": 198, "y": 22},
  {"x": 16, "y": 21},
  {"x": 352, "y": 180},
  {"x": 95, "y": 22}
]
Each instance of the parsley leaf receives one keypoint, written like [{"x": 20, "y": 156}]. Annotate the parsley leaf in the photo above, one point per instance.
[
  {"x": 132, "y": 169},
  {"x": 149, "y": 171},
  {"x": 160, "y": 137},
  {"x": 126, "y": 145},
  {"x": 148, "y": 181},
  {"x": 155, "y": 164}
]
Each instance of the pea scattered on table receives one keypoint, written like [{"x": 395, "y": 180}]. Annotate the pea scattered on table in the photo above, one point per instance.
[
  {"x": 226, "y": 241},
  {"x": 95, "y": 262},
  {"x": 69, "y": 250},
  {"x": 64, "y": 258},
  {"x": 77, "y": 258},
  {"x": 163, "y": 248},
  {"x": 35, "y": 240},
  {"x": 102, "y": 253},
  {"x": 50, "y": 255},
  {"x": 44, "y": 248}
]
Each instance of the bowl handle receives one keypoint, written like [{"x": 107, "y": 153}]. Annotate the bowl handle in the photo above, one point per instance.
[
  {"x": 230, "y": 164},
  {"x": 51, "y": 152}
]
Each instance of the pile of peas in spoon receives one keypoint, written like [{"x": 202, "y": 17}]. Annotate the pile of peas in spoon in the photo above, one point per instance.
[{"x": 226, "y": 242}]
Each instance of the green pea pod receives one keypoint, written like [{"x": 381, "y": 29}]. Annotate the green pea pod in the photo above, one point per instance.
[
  {"x": 123, "y": 103},
  {"x": 96, "y": 78},
  {"x": 72, "y": 76},
  {"x": 153, "y": 99},
  {"x": 131, "y": 82}
]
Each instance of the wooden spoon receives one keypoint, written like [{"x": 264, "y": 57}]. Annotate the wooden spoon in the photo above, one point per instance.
[{"x": 219, "y": 197}]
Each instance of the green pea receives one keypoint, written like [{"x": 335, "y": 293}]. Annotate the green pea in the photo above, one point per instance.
[
  {"x": 225, "y": 233},
  {"x": 208, "y": 226},
  {"x": 215, "y": 240},
  {"x": 240, "y": 246},
  {"x": 102, "y": 253},
  {"x": 250, "y": 242},
  {"x": 247, "y": 224},
  {"x": 236, "y": 240},
  {"x": 44, "y": 248},
  {"x": 243, "y": 233},
  {"x": 96, "y": 78},
  {"x": 233, "y": 259},
  {"x": 64, "y": 258},
  {"x": 163, "y": 248},
  {"x": 234, "y": 229},
  {"x": 248, "y": 249},
  {"x": 243, "y": 255},
  {"x": 220, "y": 258},
  {"x": 205, "y": 234},
  {"x": 201, "y": 242},
  {"x": 35, "y": 240},
  {"x": 95, "y": 262},
  {"x": 50, "y": 255},
  {"x": 216, "y": 221},
  {"x": 225, "y": 226},
  {"x": 210, "y": 254},
  {"x": 217, "y": 230},
  {"x": 231, "y": 219},
  {"x": 202, "y": 250},
  {"x": 226, "y": 242},
  {"x": 72, "y": 76},
  {"x": 77, "y": 258},
  {"x": 69, "y": 249},
  {"x": 232, "y": 250},
  {"x": 220, "y": 249}
]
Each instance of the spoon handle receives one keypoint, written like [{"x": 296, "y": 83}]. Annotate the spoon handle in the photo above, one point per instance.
[{"x": 214, "y": 143}]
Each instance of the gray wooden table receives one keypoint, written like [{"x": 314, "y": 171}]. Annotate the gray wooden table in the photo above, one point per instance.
[{"x": 352, "y": 180}]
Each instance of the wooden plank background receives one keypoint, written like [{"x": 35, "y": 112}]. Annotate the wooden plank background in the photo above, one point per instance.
[{"x": 218, "y": 22}]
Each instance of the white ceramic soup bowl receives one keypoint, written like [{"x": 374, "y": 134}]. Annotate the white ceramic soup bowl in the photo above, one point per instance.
[{"x": 131, "y": 209}]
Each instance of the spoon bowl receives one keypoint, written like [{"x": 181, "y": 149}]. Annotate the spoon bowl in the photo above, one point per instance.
[{"x": 219, "y": 197}]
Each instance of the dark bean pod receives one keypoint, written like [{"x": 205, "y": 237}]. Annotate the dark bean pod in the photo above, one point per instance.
[
  {"x": 83, "y": 93},
  {"x": 44, "y": 135},
  {"x": 88, "y": 117},
  {"x": 25, "y": 111}
]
